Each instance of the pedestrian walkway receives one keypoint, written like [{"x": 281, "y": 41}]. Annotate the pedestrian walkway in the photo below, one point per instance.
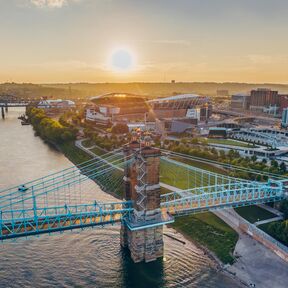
[{"x": 278, "y": 218}]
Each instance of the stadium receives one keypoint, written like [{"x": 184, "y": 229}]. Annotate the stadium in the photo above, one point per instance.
[
  {"x": 111, "y": 107},
  {"x": 182, "y": 106}
]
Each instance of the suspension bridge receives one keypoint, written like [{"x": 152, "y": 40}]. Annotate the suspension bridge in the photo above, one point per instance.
[{"x": 67, "y": 200}]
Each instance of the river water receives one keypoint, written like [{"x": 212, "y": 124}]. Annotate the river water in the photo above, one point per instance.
[{"x": 88, "y": 258}]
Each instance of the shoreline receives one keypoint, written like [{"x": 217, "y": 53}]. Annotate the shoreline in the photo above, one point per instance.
[{"x": 217, "y": 264}]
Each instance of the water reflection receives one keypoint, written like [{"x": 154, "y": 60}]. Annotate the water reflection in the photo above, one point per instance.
[{"x": 141, "y": 275}]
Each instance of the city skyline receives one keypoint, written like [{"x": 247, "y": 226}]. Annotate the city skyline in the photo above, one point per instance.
[{"x": 48, "y": 41}]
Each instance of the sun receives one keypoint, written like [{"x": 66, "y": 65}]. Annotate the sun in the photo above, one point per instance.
[{"x": 121, "y": 60}]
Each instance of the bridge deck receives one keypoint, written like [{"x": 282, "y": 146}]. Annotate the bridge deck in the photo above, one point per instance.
[{"x": 39, "y": 221}]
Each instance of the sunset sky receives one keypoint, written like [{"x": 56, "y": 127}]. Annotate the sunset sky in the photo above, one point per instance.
[{"x": 45, "y": 41}]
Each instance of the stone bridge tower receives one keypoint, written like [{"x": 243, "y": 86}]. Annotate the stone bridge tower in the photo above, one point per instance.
[{"x": 142, "y": 233}]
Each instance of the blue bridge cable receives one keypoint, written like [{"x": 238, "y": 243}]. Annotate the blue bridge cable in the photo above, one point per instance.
[
  {"x": 79, "y": 166},
  {"x": 53, "y": 184},
  {"x": 90, "y": 174},
  {"x": 94, "y": 175},
  {"x": 226, "y": 165},
  {"x": 62, "y": 174}
]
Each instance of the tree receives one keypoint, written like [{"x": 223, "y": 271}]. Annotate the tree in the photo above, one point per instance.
[
  {"x": 283, "y": 167},
  {"x": 274, "y": 164},
  {"x": 254, "y": 158},
  {"x": 284, "y": 208},
  {"x": 120, "y": 128},
  {"x": 264, "y": 161}
]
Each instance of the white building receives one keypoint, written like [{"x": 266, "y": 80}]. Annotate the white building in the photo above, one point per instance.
[
  {"x": 148, "y": 126},
  {"x": 59, "y": 103},
  {"x": 102, "y": 114},
  {"x": 93, "y": 115}
]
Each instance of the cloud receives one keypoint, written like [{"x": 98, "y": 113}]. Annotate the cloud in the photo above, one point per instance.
[
  {"x": 50, "y": 3},
  {"x": 261, "y": 59}
]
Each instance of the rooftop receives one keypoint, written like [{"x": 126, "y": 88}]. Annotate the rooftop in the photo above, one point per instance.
[{"x": 177, "y": 97}]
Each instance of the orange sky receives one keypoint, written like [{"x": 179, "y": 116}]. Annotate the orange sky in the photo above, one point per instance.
[{"x": 45, "y": 41}]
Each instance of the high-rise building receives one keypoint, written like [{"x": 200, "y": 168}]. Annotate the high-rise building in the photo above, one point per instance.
[
  {"x": 283, "y": 102},
  {"x": 262, "y": 98}
]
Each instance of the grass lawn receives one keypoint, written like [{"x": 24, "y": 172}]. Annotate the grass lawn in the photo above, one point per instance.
[
  {"x": 73, "y": 153},
  {"x": 164, "y": 190},
  {"x": 254, "y": 213},
  {"x": 264, "y": 227},
  {"x": 202, "y": 165},
  {"x": 98, "y": 151},
  {"x": 211, "y": 232},
  {"x": 228, "y": 142},
  {"x": 275, "y": 233},
  {"x": 87, "y": 143},
  {"x": 184, "y": 178},
  {"x": 204, "y": 228}
]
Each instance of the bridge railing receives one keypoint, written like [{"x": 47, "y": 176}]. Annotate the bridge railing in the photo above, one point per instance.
[
  {"x": 17, "y": 223},
  {"x": 236, "y": 196},
  {"x": 256, "y": 231}
]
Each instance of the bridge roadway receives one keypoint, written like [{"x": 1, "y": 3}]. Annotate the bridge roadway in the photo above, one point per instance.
[
  {"x": 27, "y": 216},
  {"x": 24, "y": 104},
  {"x": 47, "y": 220},
  {"x": 219, "y": 197},
  {"x": 52, "y": 219}
]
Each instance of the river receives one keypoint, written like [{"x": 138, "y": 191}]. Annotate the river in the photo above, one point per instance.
[{"x": 88, "y": 258}]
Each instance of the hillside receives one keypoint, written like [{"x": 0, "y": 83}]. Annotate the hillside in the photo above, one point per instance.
[{"x": 151, "y": 90}]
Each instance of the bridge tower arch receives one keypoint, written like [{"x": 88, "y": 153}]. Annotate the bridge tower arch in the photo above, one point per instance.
[{"x": 142, "y": 232}]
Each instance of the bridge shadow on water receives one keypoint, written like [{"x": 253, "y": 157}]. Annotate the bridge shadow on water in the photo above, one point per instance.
[{"x": 142, "y": 275}]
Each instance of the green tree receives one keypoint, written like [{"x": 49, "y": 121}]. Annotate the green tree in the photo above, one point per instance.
[
  {"x": 254, "y": 158},
  {"x": 120, "y": 128},
  {"x": 283, "y": 167},
  {"x": 284, "y": 208}
]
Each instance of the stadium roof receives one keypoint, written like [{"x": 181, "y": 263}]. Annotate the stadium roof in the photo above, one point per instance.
[
  {"x": 177, "y": 97},
  {"x": 116, "y": 94}
]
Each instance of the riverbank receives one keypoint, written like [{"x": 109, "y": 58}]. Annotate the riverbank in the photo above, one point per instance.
[{"x": 196, "y": 232}]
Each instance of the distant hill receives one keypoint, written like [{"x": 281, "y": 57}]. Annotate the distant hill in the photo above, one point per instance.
[{"x": 150, "y": 90}]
